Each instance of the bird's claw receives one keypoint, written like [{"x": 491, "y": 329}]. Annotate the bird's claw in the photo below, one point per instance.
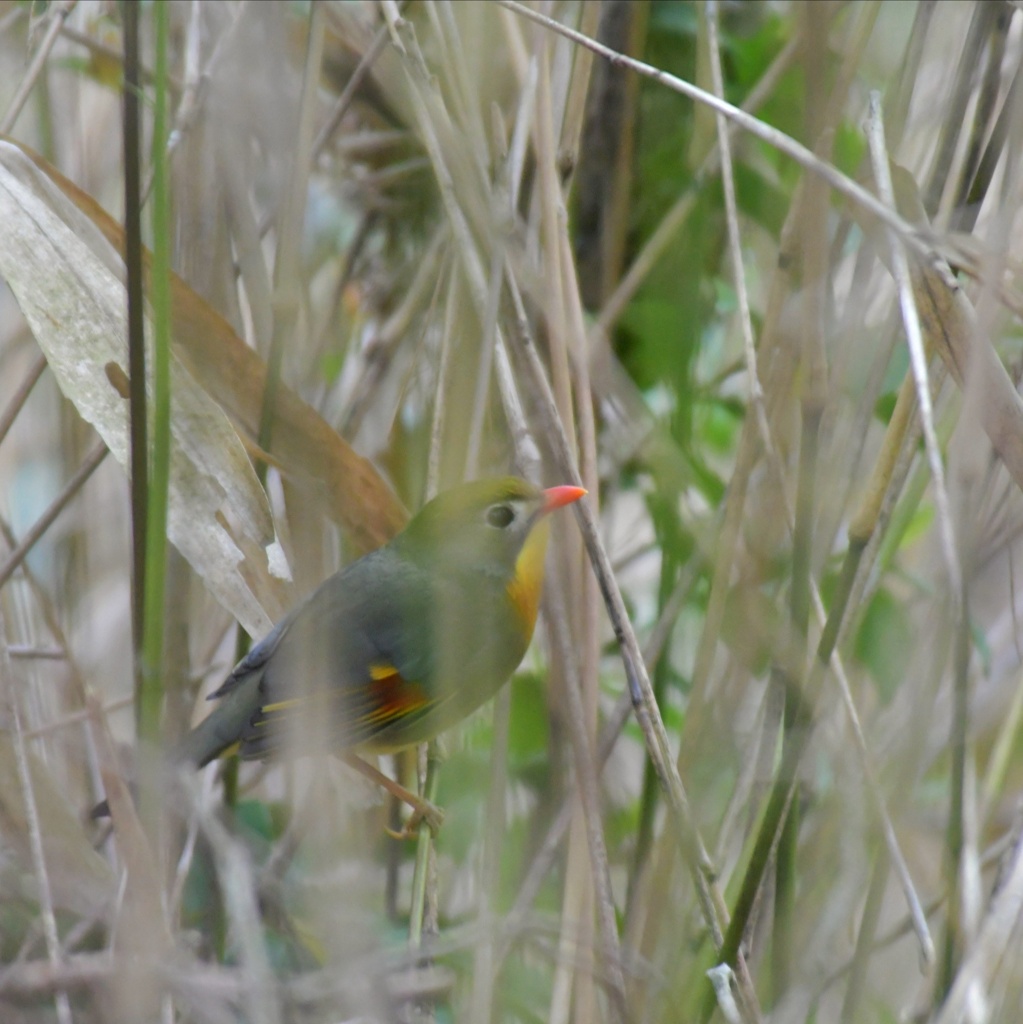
[{"x": 422, "y": 812}]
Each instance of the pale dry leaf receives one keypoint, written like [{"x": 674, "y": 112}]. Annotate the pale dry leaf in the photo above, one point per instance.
[
  {"x": 305, "y": 447},
  {"x": 65, "y": 282}
]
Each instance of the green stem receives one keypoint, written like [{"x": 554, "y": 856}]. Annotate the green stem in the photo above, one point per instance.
[
  {"x": 417, "y": 912},
  {"x": 802, "y": 550}
]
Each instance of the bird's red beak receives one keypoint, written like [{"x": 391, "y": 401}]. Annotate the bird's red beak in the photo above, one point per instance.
[{"x": 555, "y": 497}]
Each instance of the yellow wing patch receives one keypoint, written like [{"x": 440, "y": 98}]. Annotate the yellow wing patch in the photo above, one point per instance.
[{"x": 281, "y": 705}]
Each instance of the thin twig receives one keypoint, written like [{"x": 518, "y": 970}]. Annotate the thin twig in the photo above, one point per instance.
[
  {"x": 543, "y": 861},
  {"x": 916, "y": 910},
  {"x": 43, "y": 523},
  {"x": 108, "y": 52},
  {"x": 989, "y": 949},
  {"x": 76, "y": 717},
  {"x": 9, "y": 704},
  {"x": 391, "y": 333},
  {"x": 920, "y": 240},
  {"x": 640, "y": 690},
  {"x": 193, "y": 91},
  {"x": 674, "y": 220},
  {"x": 20, "y": 396},
  {"x": 58, "y": 15},
  {"x": 344, "y": 101},
  {"x": 756, "y": 390}
]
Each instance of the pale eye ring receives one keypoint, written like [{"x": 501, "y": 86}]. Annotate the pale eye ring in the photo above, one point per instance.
[{"x": 500, "y": 516}]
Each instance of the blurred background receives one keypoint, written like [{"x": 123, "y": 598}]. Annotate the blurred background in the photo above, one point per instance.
[{"x": 450, "y": 242}]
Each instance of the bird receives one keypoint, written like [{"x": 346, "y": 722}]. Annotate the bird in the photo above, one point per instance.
[{"x": 399, "y": 645}]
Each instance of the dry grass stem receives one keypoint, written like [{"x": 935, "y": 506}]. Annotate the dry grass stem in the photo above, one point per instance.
[{"x": 917, "y": 357}]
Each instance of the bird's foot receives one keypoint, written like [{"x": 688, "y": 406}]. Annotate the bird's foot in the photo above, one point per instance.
[{"x": 422, "y": 810}]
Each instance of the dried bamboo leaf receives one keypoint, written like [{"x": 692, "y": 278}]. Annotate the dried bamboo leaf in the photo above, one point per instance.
[
  {"x": 75, "y": 306},
  {"x": 351, "y": 490}
]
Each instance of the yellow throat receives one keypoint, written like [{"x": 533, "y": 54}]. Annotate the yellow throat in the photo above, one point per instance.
[{"x": 527, "y": 583}]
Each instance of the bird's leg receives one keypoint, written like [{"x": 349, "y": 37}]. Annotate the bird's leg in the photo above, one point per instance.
[{"x": 422, "y": 810}]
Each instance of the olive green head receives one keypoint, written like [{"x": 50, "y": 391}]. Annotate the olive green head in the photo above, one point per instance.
[
  {"x": 479, "y": 526},
  {"x": 490, "y": 527}
]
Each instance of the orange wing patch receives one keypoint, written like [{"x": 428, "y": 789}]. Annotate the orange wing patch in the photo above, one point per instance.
[
  {"x": 352, "y": 716},
  {"x": 390, "y": 697}
]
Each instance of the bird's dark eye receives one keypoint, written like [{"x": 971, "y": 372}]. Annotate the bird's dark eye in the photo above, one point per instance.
[{"x": 500, "y": 516}]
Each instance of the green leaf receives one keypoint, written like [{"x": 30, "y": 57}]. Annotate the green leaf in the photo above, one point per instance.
[
  {"x": 919, "y": 525},
  {"x": 529, "y": 724},
  {"x": 849, "y": 149},
  {"x": 884, "y": 642},
  {"x": 256, "y": 818}
]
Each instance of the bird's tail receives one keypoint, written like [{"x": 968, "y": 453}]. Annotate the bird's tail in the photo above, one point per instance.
[
  {"x": 216, "y": 734},
  {"x": 221, "y": 730}
]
